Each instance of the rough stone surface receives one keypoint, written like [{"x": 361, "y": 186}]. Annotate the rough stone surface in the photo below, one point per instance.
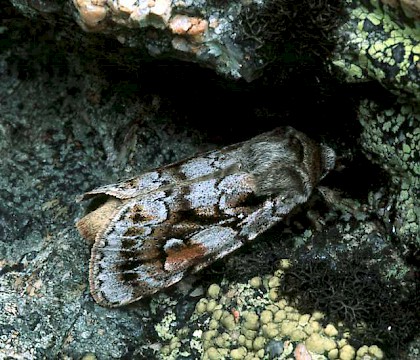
[
  {"x": 196, "y": 31},
  {"x": 59, "y": 138},
  {"x": 265, "y": 321},
  {"x": 391, "y": 137},
  {"x": 381, "y": 42}
]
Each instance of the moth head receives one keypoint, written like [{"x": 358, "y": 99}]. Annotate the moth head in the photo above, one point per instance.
[{"x": 286, "y": 162}]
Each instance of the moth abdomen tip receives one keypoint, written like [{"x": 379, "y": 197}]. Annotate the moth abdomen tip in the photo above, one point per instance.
[{"x": 94, "y": 222}]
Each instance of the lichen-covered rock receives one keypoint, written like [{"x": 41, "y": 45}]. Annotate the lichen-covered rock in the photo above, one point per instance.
[
  {"x": 237, "y": 39},
  {"x": 378, "y": 40},
  {"x": 209, "y": 337},
  {"x": 381, "y": 42},
  {"x": 66, "y": 126},
  {"x": 374, "y": 45},
  {"x": 169, "y": 28},
  {"x": 391, "y": 137},
  {"x": 263, "y": 327},
  {"x": 197, "y": 31},
  {"x": 56, "y": 141}
]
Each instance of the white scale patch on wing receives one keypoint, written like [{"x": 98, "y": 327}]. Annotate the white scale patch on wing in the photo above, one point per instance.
[
  {"x": 215, "y": 239},
  {"x": 205, "y": 166},
  {"x": 150, "y": 182},
  {"x": 203, "y": 194},
  {"x": 261, "y": 219},
  {"x": 109, "y": 287},
  {"x": 233, "y": 189},
  {"x": 196, "y": 168},
  {"x": 150, "y": 209},
  {"x": 218, "y": 241}
]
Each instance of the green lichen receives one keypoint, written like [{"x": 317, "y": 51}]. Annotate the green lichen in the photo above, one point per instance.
[
  {"x": 214, "y": 291},
  {"x": 391, "y": 138},
  {"x": 373, "y": 45}
]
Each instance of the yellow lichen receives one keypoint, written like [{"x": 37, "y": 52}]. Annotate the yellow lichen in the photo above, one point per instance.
[
  {"x": 347, "y": 352},
  {"x": 213, "y": 291},
  {"x": 255, "y": 282}
]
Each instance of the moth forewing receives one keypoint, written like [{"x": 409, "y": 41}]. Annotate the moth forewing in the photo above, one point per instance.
[{"x": 182, "y": 217}]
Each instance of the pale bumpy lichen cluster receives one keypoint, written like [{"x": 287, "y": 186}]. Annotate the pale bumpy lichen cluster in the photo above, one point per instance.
[
  {"x": 391, "y": 137},
  {"x": 253, "y": 321},
  {"x": 373, "y": 45}
]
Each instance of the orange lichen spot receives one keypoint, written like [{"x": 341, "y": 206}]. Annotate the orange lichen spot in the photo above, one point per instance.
[
  {"x": 301, "y": 353},
  {"x": 186, "y": 25},
  {"x": 33, "y": 288},
  {"x": 214, "y": 23},
  {"x": 236, "y": 314},
  {"x": 127, "y": 6},
  {"x": 91, "y": 12}
]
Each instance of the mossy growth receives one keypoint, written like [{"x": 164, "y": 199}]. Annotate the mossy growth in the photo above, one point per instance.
[
  {"x": 287, "y": 31},
  {"x": 350, "y": 289}
]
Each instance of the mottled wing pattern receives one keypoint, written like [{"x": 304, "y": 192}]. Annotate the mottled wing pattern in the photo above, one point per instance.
[
  {"x": 154, "y": 239},
  {"x": 184, "y": 216},
  {"x": 186, "y": 171}
]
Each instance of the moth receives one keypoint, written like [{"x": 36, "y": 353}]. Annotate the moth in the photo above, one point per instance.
[{"x": 153, "y": 229}]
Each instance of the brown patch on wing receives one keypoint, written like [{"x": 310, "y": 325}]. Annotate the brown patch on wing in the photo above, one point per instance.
[
  {"x": 134, "y": 231},
  {"x": 183, "y": 256},
  {"x": 138, "y": 215},
  {"x": 96, "y": 221}
]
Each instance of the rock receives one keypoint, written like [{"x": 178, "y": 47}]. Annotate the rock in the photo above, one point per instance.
[
  {"x": 229, "y": 37},
  {"x": 57, "y": 141}
]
